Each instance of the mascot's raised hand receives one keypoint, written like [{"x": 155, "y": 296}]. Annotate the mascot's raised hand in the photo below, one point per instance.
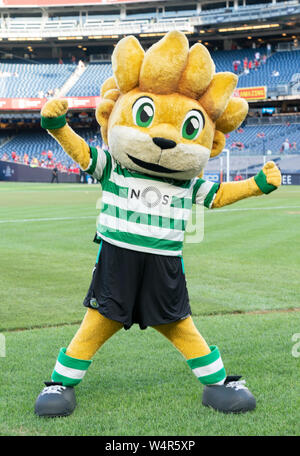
[{"x": 163, "y": 114}]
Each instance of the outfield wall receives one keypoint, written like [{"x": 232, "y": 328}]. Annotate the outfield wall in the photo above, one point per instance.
[{"x": 17, "y": 172}]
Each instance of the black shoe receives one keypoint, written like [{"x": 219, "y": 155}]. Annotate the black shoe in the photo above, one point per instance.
[
  {"x": 55, "y": 400},
  {"x": 232, "y": 397}
]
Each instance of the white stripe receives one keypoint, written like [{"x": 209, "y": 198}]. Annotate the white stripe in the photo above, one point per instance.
[
  {"x": 210, "y": 369},
  {"x": 69, "y": 372},
  {"x": 126, "y": 204},
  {"x": 101, "y": 163},
  {"x": 203, "y": 191},
  {"x": 140, "y": 248},
  {"x": 144, "y": 230}
]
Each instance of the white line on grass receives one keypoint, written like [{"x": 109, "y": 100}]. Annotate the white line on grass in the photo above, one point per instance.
[
  {"x": 48, "y": 219},
  {"x": 55, "y": 219}
]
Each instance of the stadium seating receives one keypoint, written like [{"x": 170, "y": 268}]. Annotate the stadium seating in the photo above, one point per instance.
[
  {"x": 90, "y": 82},
  {"x": 29, "y": 79},
  {"x": 33, "y": 144},
  {"x": 18, "y": 79},
  {"x": 261, "y": 139}
]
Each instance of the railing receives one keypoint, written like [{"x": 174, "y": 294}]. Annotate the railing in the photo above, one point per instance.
[{"x": 46, "y": 28}]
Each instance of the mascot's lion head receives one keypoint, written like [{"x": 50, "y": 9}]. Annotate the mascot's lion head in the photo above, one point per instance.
[{"x": 164, "y": 112}]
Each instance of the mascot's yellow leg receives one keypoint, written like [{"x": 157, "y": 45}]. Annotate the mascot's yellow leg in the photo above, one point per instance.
[
  {"x": 185, "y": 337},
  {"x": 94, "y": 331}
]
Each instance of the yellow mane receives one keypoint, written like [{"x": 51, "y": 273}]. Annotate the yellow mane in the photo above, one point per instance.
[{"x": 169, "y": 66}]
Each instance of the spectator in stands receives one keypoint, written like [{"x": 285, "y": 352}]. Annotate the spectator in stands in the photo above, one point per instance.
[
  {"x": 73, "y": 59},
  {"x": 54, "y": 175},
  {"x": 236, "y": 64},
  {"x": 256, "y": 64},
  {"x": 34, "y": 162},
  {"x": 14, "y": 156},
  {"x": 264, "y": 59},
  {"x": 250, "y": 65},
  {"x": 5, "y": 157},
  {"x": 60, "y": 61},
  {"x": 26, "y": 159},
  {"x": 257, "y": 56},
  {"x": 285, "y": 146},
  {"x": 269, "y": 49},
  {"x": 50, "y": 155}
]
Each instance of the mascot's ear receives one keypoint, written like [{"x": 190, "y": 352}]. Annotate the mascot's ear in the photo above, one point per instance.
[
  {"x": 216, "y": 97},
  {"x": 233, "y": 116},
  {"x": 218, "y": 143},
  {"x": 103, "y": 112},
  {"x": 126, "y": 61}
]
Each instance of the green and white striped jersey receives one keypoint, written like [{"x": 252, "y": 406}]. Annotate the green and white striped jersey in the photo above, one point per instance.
[{"x": 145, "y": 213}]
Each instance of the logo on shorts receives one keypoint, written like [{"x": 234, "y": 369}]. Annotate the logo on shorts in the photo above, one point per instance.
[{"x": 93, "y": 303}]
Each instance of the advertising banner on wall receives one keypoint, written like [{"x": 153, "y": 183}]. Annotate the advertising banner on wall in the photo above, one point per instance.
[{"x": 251, "y": 93}]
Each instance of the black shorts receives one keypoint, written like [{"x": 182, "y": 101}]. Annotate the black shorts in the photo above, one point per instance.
[{"x": 137, "y": 287}]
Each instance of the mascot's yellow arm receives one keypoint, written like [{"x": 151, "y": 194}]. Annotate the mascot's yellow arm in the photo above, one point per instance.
[
  {"x": 230, "y": 192},
  {"x": 73, "y": 144}
]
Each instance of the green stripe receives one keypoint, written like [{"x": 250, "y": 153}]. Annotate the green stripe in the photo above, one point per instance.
[
  {"x": 52, "y": 123},
  {"x": 99, "y": 251},
  {"x": 107, "y": 169},
  {"x": 262, "y": 183},
  {"x": 181, "y": 203},
  {"x": 213, "y": 378},
  {"x": 144, "y": 219},
  {"x": 206, "y": 359},
  {"x": 116, "y": 189},
  {"x": 94, "y": 156},
  {"x": 75, "y": 363},
  {"x": 196, "y": 188},
  {"x": 211, "y": 194},
  {"x": 182, "y": 264},
  {"x": 140, "y": 240},
  {"x": 66, "y": 381}
]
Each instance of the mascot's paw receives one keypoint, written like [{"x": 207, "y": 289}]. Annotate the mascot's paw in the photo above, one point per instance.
[
  {"x": 55, "y": 400},
  {"x": 272, "y": 173},
  {"x": 55, "y": 108},
  {"x": 232, "y": 397},
  {"x": 269, "y": 178}
]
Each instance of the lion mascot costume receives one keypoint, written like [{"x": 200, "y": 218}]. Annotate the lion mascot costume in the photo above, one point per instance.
[{"x": 163, "y": 114}]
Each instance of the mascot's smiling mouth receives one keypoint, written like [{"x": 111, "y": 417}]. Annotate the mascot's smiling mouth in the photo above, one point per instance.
[{"x": 153, "y": 166}]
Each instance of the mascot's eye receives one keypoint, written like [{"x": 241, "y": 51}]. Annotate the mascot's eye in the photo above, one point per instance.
[
  {"x": 192, "y": 125},
  {"x": 143, "y": 112}
]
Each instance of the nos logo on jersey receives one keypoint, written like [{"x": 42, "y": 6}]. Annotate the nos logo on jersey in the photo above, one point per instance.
[{"x": 150, "y": 196}]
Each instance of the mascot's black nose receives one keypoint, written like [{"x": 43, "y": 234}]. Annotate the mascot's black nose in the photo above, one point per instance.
[{"x": 164, "y": 143}]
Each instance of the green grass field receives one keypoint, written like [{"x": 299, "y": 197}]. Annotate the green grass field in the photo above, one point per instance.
[{"x": 243, "y": 282}]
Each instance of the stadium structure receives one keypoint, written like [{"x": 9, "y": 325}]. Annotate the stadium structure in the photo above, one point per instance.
[{"x": 62, "y": 48}]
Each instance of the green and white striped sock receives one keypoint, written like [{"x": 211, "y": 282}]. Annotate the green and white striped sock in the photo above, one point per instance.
[
  {"x": 69, "y": 371},
  {"x": 209, "y": 369}
]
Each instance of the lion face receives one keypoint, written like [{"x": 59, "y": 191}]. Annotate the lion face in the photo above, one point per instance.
[
  {"x": 162, "y": 135},
  {"x": 164, "y": 112}
]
